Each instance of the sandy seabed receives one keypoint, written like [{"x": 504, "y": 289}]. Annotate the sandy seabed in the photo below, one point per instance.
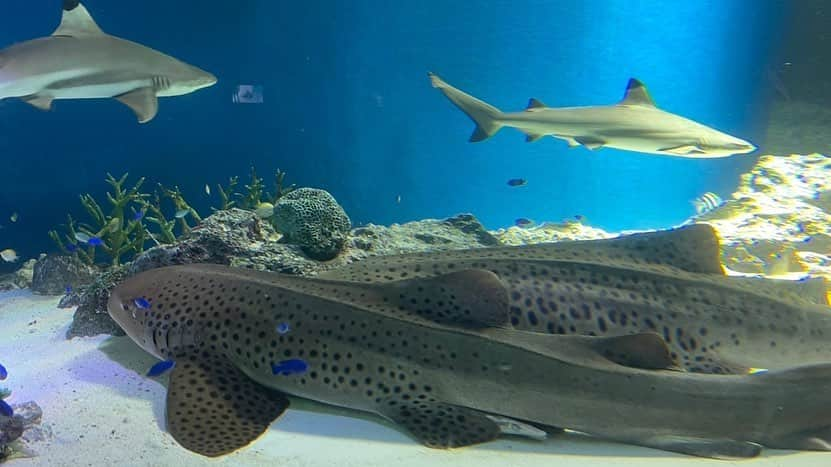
[{"x": 102, "y": 411}]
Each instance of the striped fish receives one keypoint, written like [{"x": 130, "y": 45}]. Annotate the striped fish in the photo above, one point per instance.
[{"x": 707, "y": 202}]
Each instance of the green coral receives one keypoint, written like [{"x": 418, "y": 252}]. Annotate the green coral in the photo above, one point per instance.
[
  {"x": 123, "y": 230},
  {"x": 120, "y": 235},
  {"x": 5, "y": 393},
  {"x": 254, "y": 192}
]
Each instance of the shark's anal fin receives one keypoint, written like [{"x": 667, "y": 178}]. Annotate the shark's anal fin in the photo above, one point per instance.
[
  {"x": 39, "y": 101},
  {"x": 474, "y": 298},
  {"x": 213, "y": 408},
  {"x": 76, "y": 21},
  {"x": 440, "y": 425},
  {"x": 725, "y": 449},
  {"x": 590, "y": 142},
  {"x": 808, "y": 440},
  {"x": 143, "y": 102}
]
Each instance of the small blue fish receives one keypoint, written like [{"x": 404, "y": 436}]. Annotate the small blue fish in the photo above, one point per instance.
[
  {"x": 293, "y": 366},
  {"x": 160, "y": 368},
  {"x": 283, "y": 328},
  {"x": 517, "y": 182},
  {"x": 138, "y": 215},
  {"x": 6, "y": 409},
  {"x": 71, "y": 247},
  {"x": 141, "y": 303},
  {"x": 3, "y": 373},
  {"x": 95, "y": 241},
  {"x": 68, "y": 290}
]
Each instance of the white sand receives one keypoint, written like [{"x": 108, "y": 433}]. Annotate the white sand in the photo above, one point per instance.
[{"x": 103, "y": 412}]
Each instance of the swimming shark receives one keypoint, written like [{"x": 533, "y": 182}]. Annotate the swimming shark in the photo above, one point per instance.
[
  {"x": 80, "y": 61},
  {"x": 634, "y": 124},
  {"x": 668, "y": 282},
  {"x": 437, "y": 356}
]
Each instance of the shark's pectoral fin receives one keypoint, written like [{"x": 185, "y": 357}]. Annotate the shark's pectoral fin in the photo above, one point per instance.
[
  {"x": 440, "y": 425},
  {"x": 473, "y": 298},
  {"x": 590, "y": 142},
  {"x": 213, "y": 408},
  {"x": 683, "y": 150},
  {"x": 39, "y": 101},
  {"x": 703, "y": 447},
  {"x": 143, "y": 102}
]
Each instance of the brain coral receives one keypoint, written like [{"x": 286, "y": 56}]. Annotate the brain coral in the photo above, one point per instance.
[{"x": 313, "y": 219}]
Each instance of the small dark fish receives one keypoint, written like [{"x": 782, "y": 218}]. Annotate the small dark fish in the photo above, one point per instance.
[
  {"x": 138, "y": 215},
  {"x": 95, "y": 241},
  {"x": 289, "y": 367},
  {"x": 71, "y": 247},
  {"x": 523, "y": 222},
  {"x": 3, "y": 373},
  {"x": 517, "y": 182},
  {"x": 283, "y": 328},
  {"x": 579, "y": 217},
  {"x": 160, "y": 368},
  {"x": 6, "y": 409},
  {"x": 141, "y": 303}
]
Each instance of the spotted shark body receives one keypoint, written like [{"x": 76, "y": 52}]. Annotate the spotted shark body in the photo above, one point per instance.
[
  {"x": 669, "y": 282},
  {"x": 438, "y": 357}
]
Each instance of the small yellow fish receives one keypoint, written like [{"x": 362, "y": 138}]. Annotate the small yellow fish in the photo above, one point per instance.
[
  {"x": 264, "y": 210},
  {"x": 13, "y": 217},
  {"x": 114, "y": 224},
  {"x": 9, "y": 255}
]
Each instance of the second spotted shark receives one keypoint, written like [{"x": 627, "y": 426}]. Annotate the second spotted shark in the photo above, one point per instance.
[
  {"x": 668, "y": 282},
  {"x": 438, "y": 357},
  {"x": 634, "y": 124}
]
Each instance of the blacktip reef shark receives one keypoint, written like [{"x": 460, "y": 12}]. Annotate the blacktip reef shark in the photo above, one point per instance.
[
  {"x": 668, "y": 282},
  {"x": 634, "y": 124},
  {"x": 80, "y": 61},
  {"x": 437, "y": 356}
]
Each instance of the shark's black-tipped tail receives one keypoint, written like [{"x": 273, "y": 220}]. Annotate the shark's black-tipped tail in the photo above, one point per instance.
[{"x": 483, "y": 114}]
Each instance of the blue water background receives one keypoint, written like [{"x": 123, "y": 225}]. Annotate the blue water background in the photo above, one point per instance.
[{"x": 348, "y": 106}]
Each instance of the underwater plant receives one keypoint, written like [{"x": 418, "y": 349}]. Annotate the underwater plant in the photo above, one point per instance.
[
  {"x": 122, "y": 232},
  {"x": 116, "y": 234},
  {"x": 255, "y": 193}
]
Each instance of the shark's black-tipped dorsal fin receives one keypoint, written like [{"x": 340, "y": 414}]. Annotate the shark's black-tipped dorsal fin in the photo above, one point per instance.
[
  {"x": 636, "y": 94},
  {"x": 76, "y": 21},
  {"x": 534, "y": 104}
]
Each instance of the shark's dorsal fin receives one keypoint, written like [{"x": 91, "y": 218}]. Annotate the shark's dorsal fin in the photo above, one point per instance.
[
  {"x": 77, "y": 21},
  {"x": 474, "y": 298},
  {"x": 534, "y": 104},
  {"x": 636, "y": 94}
]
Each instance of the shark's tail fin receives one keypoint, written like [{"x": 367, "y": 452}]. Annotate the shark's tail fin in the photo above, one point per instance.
[{"x": 485, "y": 115}]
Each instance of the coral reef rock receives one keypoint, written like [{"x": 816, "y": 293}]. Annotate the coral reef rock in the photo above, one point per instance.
[
  {"x": 550, "y": 232},
  {"x": 459, "y": 232},
  {"x": 778, "y": 222},
  {"x": 18, "y": 431},
  {"x": 239, "y": 238},
  {"x": 311, "y": 218},
  {"x": 91, "y": 317},
  {"x": 19, "y": 279},
  {"x": 53, "y": 274}
]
